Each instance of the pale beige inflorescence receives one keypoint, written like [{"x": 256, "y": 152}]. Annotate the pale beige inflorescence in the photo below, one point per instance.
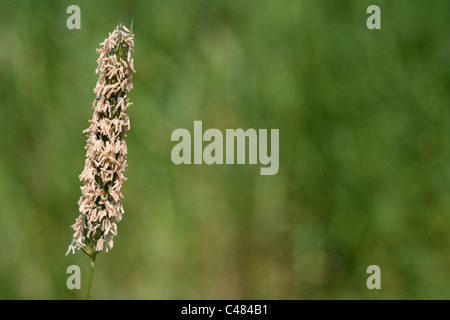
[{"x": 100, "y": 205}]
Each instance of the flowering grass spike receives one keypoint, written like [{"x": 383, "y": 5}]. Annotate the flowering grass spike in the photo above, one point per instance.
[{"x": 100, "y": 205}]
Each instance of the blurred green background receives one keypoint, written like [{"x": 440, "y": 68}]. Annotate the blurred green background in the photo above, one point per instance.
[{"x": 364, "y": 152}]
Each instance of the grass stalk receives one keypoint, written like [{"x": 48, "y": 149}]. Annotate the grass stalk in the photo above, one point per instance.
[{"x": 88, "y": 291}]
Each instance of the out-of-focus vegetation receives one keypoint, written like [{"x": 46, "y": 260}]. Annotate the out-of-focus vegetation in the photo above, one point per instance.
[{"x": 364, "y": 149}]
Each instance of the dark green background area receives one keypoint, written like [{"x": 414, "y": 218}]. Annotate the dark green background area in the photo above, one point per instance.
[{"x": 364, "y": 153}]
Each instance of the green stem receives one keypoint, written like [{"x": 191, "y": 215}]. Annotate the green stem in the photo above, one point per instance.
[{"x": 90, "y": 277}]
